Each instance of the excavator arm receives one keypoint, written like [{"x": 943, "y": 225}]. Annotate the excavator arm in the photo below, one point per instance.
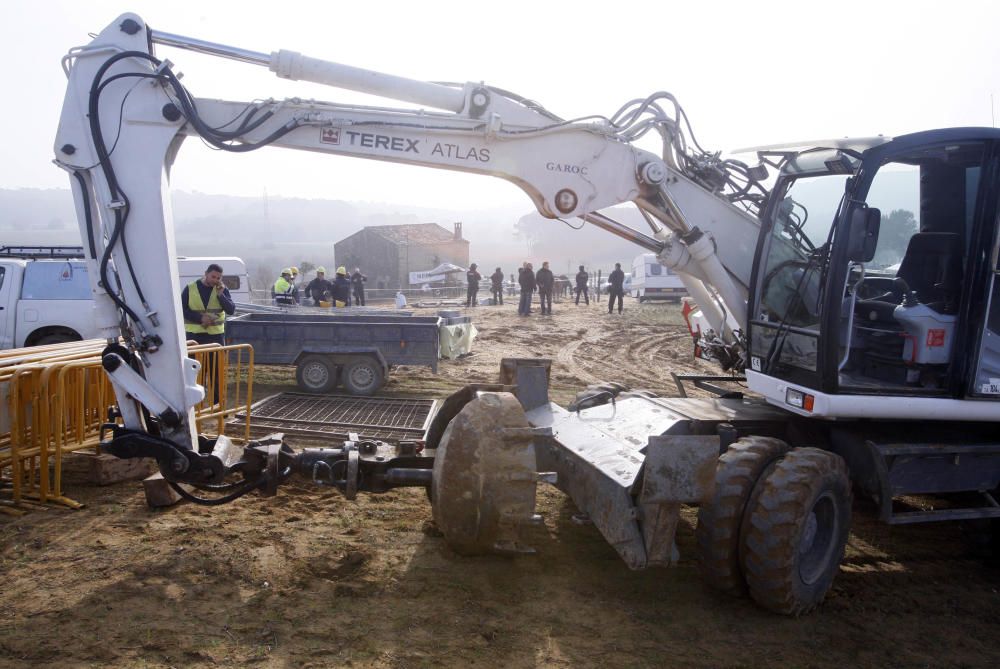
[{"x": 126, "y": 114}]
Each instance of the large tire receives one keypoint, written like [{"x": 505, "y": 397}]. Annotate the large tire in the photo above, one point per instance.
[
  {"x": 316, "y": 374},
  {"x": 721, "y": 519},
  {"x": 362, "y": 376},
  {"x": 797, "y": 531}
]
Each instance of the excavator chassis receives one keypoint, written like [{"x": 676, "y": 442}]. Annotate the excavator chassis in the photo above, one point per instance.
[
  {"x": 628, "y": 463},
  {"x": 772, "y": 518}
]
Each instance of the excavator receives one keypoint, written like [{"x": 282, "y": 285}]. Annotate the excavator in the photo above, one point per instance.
[{"x": 868, "y": 331}]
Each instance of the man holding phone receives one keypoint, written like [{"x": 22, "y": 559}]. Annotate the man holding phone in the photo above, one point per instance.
[{"x": 206, "y": 303}]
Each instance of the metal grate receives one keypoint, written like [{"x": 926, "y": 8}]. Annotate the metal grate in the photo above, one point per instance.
[{"x": 335, "y": 416}]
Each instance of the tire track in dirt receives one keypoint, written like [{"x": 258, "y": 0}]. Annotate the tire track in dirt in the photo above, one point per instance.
[
  {"x": 643, "y": 369},
  {"x": 566, "y": 357}
]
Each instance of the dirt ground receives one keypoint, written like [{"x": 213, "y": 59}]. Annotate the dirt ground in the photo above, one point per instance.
[{"x": 308, "y": 579}]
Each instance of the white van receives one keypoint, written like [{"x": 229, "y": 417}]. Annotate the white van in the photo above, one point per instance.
[
  {"x": 653, "y": 281},
  {"x": 626, "y": 284},
  {"x": 45, "y": 293}
]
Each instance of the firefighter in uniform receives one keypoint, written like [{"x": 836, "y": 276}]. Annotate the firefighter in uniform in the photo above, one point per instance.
[
  {"x": 284, "y": 292},
  {"x": 341, "y": 288}
]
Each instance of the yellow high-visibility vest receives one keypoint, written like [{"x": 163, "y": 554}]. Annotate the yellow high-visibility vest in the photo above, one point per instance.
[{"x": 214, "y": 308}]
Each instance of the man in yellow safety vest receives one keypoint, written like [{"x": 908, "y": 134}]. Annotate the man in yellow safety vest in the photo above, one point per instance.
[
  {"x": 206, "y": 302},
  {"x": 284, "y": 292}
]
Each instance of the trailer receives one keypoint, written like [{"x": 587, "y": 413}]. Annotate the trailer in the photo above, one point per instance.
[{"x": 354, "y": 351}]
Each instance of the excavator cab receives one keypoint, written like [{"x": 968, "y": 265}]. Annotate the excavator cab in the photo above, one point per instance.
[{"x": 876, "y": 272}]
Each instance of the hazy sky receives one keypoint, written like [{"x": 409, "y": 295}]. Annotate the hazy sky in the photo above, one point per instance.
[{"x": 747, "y": 73}]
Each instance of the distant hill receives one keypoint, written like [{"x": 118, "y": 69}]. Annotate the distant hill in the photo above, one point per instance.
[
  {"x": 283, "y": 231},
  {"x": 273, "y": 232}
]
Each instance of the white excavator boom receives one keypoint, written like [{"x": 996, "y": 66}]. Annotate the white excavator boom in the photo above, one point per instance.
[{"x": 126, "y": 114}]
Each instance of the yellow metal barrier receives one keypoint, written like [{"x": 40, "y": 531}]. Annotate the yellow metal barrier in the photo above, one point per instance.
[{"x": 57, "y": 400}]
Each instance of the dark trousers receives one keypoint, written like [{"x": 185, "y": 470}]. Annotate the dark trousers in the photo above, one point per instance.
[
  {"x": 586, "y": 294},
  {"x": 470, "y": 296},
  {"x": 208, "y": 359},
  {"x": 498, "y": 295},
  {"x": 524, "y": 307},
  {"x": 612, "y": 294},
  {"x": 359, "y": 297},
  {"x": 205, "y": 338},
  {"x": 545, "y": 297}
]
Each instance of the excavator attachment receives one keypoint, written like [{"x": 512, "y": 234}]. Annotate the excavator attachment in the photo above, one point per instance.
[{"x": 485, "y": 476}]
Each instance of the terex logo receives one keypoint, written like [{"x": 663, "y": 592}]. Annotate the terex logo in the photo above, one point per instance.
[
  {"x": 386, "y": 142},
  {"x": 330, "y": 136}
]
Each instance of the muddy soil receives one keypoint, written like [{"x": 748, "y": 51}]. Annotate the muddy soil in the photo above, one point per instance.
[{"x": 308, "y": 579}]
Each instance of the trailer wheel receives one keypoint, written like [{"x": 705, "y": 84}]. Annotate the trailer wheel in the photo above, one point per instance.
[
  {"x": 316, "y": 374},
  {"x": 362, "y": 376},
  {"x": 720, "y": 520},
  {"x": 798, "y": 531}
]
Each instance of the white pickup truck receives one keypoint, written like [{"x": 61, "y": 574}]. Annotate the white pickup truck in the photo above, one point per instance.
[{"x": 45, "y": 293}]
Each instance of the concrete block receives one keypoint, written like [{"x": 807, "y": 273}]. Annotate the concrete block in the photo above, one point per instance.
[
  {"x": 158, "y": 492},
  {"x": 105, "y": 469}
]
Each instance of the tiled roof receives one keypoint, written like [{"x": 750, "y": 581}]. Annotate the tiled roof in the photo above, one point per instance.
[{"x": 415, "y": 233}]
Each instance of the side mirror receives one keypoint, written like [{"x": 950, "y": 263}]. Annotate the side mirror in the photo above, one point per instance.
[{"x": 863, "y": 235}]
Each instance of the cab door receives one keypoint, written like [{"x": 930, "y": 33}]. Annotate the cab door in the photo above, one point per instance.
[
  {"x": 985, "y": 381},
  {"x": 7, "y": 310}
]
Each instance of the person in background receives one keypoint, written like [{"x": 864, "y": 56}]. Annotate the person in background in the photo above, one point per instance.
[
  {"x": 206, "y": 303},
  {"x": 496, "y": 286},
  {"x": 319, "y": 288},
  {"x": 472, "y": 278},
  {"x": 545, "y": 281},
  {"x": 284, "y": 292},
  {"x": 582, "y": 278},
  {"x": 526, "y": 278},
  {"x": 341, "y": 288},
  {"x": 616, "y": 287},
  {"x": 358, "y": 286}
]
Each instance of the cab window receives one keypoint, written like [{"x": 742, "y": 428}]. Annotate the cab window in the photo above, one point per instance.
[{"x": 56, "y": 281}]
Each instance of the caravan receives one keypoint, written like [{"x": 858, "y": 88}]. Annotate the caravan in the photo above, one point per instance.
[{"x": 653, "y": 281}]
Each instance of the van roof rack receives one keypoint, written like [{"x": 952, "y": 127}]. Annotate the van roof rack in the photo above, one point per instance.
[{"x": 41, "y": 251}]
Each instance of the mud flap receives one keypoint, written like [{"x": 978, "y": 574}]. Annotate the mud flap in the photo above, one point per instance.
[{"x": 677, "y": 470}]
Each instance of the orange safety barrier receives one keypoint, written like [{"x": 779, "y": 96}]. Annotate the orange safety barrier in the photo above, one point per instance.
[{"x": 57, "y": 400}]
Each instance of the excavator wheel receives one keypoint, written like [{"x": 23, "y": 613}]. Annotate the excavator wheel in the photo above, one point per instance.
[
  {"x": 797, "y": 531},
  {"x": 484, "y": 476},
  {"x": 720, "y": 521}
]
